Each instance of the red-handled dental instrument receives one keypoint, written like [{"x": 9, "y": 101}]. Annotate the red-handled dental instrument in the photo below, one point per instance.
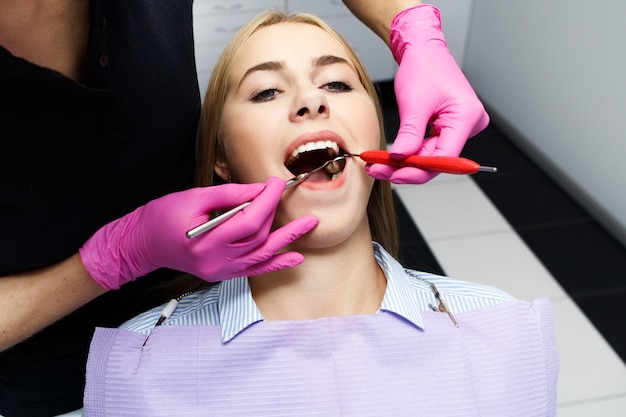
[{"x": 447, "y": 164}]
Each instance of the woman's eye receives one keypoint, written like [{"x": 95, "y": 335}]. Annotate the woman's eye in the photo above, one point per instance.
[
  {"x": 265, "y": 95},
  {"x": 337, "y": 87}
]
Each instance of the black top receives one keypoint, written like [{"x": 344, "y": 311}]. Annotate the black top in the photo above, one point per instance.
[{"x": 74, "y": 157}]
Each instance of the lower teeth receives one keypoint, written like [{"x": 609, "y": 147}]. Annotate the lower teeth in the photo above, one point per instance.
[{"x": 333, "y": 168}]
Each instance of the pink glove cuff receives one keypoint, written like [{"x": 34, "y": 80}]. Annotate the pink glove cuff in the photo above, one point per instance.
[
  {"x": 422, "y": 22},
  {"x": 101, "y": 254}
]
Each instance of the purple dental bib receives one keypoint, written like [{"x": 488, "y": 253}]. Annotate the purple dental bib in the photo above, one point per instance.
[{"x": 501, "y": 361}]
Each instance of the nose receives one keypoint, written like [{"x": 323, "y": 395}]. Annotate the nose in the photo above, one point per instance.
[{"x": 310, "y": 104}]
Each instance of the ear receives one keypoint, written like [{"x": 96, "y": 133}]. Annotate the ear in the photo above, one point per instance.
[{"x": 222, "y": 169}]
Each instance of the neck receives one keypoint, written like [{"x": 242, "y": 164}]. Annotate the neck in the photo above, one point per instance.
[
  {"x": 337, "y": 281},
  {"x": 49, "y": 33}
]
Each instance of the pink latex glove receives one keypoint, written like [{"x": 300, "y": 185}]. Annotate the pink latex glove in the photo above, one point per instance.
[
  {"x": 430, "y": 89},
  {"x": 153, "y": 236}
]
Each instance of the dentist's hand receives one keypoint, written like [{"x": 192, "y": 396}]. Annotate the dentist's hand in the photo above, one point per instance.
[
  {"x": 153, "y": 236},
  {"x": 430, "y": 89}
]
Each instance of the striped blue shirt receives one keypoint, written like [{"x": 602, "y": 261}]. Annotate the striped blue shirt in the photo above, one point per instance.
[{"x": 229, "y": 304}]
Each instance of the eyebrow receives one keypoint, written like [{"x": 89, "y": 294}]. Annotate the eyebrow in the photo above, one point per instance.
[
  {"x": 329, "y": 60},
  {"x": 320, "y": 61}
]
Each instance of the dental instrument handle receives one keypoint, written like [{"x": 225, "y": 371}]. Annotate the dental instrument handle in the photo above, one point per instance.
[
  {"x": 447, "y": 164},
  {"x": 205, "y": 227},
  {"x": 213, "y": 223}
]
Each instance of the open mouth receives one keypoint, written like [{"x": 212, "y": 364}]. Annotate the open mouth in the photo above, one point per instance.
[{"x": 314, "y": 154}]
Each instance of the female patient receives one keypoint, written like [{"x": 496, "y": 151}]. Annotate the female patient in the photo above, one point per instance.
[{"x": 349, "y": 331}]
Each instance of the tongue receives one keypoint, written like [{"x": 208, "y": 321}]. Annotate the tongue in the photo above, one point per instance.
[{"x": 319, "y": 176}]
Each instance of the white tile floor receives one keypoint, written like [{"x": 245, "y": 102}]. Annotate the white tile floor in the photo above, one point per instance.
[{"x": 472, "y": 241}]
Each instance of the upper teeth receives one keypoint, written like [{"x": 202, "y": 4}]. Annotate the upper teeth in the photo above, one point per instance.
[{"x": 314, "y": 146}]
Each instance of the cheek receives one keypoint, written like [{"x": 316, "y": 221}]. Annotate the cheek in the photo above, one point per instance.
[
  {"x": 365, "y": 121},
  {"x": 244, "y": 163},
  {"x": 243, "y": 142},
  {"x": 251, "y": 155},
  {"x": 367, "y": 186}
]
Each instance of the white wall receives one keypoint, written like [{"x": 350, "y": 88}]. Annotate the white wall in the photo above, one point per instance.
[
  {"x": 455, "y": 19},
  {"x": 553, "y": 73}
]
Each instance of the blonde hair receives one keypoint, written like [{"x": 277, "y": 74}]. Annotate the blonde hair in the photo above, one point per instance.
[{"x": 380, "y": 210}]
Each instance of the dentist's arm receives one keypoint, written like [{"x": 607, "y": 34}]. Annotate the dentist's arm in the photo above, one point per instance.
[
  {"x": 33, "y": 300},
  {"x": 151, "y": 237},
  {"x": 431, "y": 90},
  {"x": 378, "y": 14}
]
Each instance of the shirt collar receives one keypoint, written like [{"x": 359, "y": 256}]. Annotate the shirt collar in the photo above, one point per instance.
[
  {"x": 400, "y": 296},
  {"x": 238, "y": 310}
]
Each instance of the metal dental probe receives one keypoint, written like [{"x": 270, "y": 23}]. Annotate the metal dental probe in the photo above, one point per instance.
[{"x": 205, "y": 227}]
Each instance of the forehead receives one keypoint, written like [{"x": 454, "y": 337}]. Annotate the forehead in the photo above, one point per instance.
[{"x": 288, "y": 42}]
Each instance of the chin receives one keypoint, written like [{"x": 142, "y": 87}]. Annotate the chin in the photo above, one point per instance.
[{"x": 331, "y": 235}]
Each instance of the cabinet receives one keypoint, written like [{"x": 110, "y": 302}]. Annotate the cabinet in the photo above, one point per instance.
[{"x": 215, "y": 22}]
